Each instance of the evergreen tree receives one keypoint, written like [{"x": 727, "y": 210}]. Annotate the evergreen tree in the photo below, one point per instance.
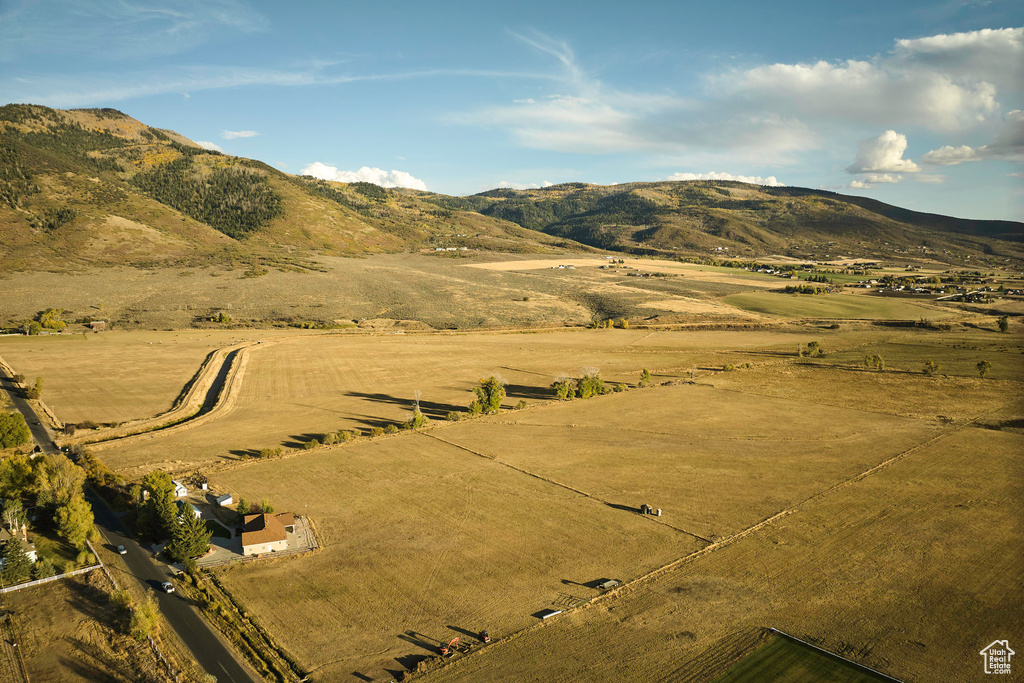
[
  {"x": 16, "y": 564},
  {"x": 645, "y": 378},
  {"x": 161, "y": 510},
  {"x": 983, "y": 368},
  {"x": 191, "y": 537}
]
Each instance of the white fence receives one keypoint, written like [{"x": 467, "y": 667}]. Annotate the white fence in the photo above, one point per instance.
[{"x": 29, "y": 584}]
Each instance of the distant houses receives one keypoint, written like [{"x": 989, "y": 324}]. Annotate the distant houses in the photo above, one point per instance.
[{"x": 267, "y": 533}]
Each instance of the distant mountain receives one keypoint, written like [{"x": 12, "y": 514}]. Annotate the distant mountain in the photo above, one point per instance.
[
  {"x": 742, "y": 219},
  {"x": 96, "y": 187}
]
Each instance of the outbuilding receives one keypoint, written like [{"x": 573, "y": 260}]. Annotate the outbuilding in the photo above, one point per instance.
[
  {"x": 179, "y": 489},
  {"x": 225, "y": 500}
]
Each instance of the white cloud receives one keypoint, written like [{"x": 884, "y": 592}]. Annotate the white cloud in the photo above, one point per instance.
[
  {"x": 235, "y": 134},
  {"x": 524, "y": 186},
  {"x": 770, "y": 181},
  {"x": 770, "y": 112},
  {"x": 209, "y": 145},
  {"x": 874, "y": 180},
  {"x": 377, "y": 176},
  {"x": 1008, "y": 145},
  {"x": 883, "y": 154}
]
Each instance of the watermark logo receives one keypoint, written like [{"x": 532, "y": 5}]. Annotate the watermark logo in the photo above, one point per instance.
[{"x": 997, "y": 657}]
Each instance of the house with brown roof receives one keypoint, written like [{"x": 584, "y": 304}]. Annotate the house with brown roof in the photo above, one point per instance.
[{"x": 266, "y": 533}]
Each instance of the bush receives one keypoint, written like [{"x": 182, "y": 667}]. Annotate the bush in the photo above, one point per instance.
[
  {"x": 930, "y": 368},
  {"x": 417, "y": 420},
  {"x": 874, "y": 362},
  {"x": 645, "y": 378},
  {"x": 143, "y": 620},
  {"x": 391, "y": 429},
  {"x": 310, "y": 445},
  {"x": 329, "y": 439},
  {"x": 983, "y": 368},
  {"x": 453, "y": 416},
  {"x": 270, "y": 452},
  {"x": 43, "y": 569},
  {"x": 621, "y": 387},
  {"x": 1004, "y": 323},
  {"x": 376, "y": 431},
  {"x": 728, "y": 367},
  {"x": 475, "y": 408},
  {"x": 565, "y": 388},
  {"x": 13, "y": 430}
]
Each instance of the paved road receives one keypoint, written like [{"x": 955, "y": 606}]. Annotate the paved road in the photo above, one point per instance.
[
  {"x": 207, "y": 648},
  {"x": 40, "y": 432},
  {"x": 197, "y": 635}
]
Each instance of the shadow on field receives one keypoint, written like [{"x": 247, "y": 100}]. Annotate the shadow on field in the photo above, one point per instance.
[
  {"x": 624, "y": 508},
  {"x": 524, "y": 391},
  {"x": 298, "y": 440},
  {"x": 419, "y": 640},
  {"x": 88, "y": 600},
  {"x": 245, "y": 452},
  {"x": 595, "y": 584},
  {"x": 428, "y": 408},
  {"x": 466, "y": 632},
  {"x": 361, "y": 676}
]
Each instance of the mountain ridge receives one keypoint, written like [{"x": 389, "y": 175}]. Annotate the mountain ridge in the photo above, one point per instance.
[{"x": 98, "y": 187}]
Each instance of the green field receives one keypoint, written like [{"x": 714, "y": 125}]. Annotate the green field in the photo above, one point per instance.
[
  {"x": 850, "y": 306},
  {"x": 782, "y": 660}
]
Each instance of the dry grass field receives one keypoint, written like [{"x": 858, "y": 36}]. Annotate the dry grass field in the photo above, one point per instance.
[
  {"x": 304, "y": 386},
  {"x": 114, "y": 376},
  {"x": 910, "y": 570},
  {"x": 64, "y": 632},
  {"x": 423, "y": 531},
  {"x": 775, "y": 509},
  {"x": 424, "y": 542}
]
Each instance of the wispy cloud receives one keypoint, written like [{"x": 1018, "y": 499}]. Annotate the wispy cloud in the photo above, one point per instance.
[
  {"x": 235, "y": 134},
  {"x": 209, "y": 145},
  {"x": 120, "y": 29},
  {"x": 100, "y": 88}
]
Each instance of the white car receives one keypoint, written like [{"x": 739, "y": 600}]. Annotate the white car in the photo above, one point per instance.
[
  {"x": 121, "y": 550},
  {"x": 167, "y": 586}
]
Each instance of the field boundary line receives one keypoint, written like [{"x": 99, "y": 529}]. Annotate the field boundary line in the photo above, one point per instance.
[
  {"x": 772, "y": 629},
  {"x": 652, "y": 518},
  {"x": 633, "y": 584}
]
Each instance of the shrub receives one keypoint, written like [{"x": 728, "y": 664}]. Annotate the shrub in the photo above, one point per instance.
[
  {"x": 144, "y": 619},
  {"x": 376, "y": 431},
  {"x": 265, "y": 507},
  {"x": 645, "y": 378},
  {"x": 874, "y": 362},
  {"x": 520, "y": 405},
  {"x": 621, "y": 387},
  {"x": 930, "y": 368},
  {"x": 564, "y": 388},
  {"x": 329, "y": 439},
  {"x": 417, "y": 420},
  {"x": 729, "y": 367},
  {"x": 1004, "y": 323},
  {"x": 271, "y": 452},
  {"x": 475, "y": 408},
  {"x": 310, "y": 445},
  {"x": 345, "y": 435},
  {"x": 590, "y": 384},
  {"x": 983, "y": 368},
  {"x": 453, "y": 416},
  {"x": 391, "y": 429}
]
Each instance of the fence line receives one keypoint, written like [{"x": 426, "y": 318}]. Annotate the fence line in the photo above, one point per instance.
[
  {"x": 48, "y": 579},
  {"x": 833, "y": 654}
]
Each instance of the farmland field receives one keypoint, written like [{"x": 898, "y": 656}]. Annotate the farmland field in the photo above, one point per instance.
[
  {"x": 787, "y": 661},
  {"x": 860, "y": 306},
  {"x": 804, "y": 493}
]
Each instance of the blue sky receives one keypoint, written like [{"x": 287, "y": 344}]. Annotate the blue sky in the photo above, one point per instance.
[{"x": 914, "y": 103}]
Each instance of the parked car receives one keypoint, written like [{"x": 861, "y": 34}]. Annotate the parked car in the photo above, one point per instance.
[
  {"x": 167, "y": 586},
  {"x": 121, "y": 550}
]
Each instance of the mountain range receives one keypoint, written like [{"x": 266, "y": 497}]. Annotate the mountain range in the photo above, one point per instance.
[{"x": 97, "y": 187}]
